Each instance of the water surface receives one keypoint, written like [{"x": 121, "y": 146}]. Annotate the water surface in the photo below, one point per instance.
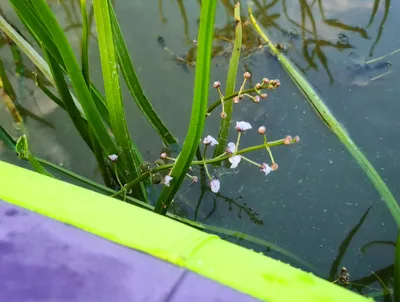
[{"x": 319, "y": 193}]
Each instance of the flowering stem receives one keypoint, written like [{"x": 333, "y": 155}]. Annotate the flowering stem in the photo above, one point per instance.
[
  {"x": 249, "y": 95},
  {"x": 226, "y": 156},
  {"x": 131, "y": 184},
  {"x": 221, "y": 100},
  {"x": 268, "y": 149},
  {"x": 250, "y": 161},
  {"x": 205, "y": 164},
  {"x": 237, "y": 142},
  {"x": 230, "y": 97},
  {"x": 241, "y": 88}
]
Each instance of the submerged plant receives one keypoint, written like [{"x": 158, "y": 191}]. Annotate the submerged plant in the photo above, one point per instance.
[{"x": 101, "y": 119}]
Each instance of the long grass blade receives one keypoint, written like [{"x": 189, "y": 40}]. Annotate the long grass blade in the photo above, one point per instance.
[
  {"x": 381, "y": 27},
  {"x": 85, "y": 43},
  {"x": 376, "y": 242},
  {"x": 62, "y": 87},
  {"x": 134, "y": 86},
  {"x": 374, "y": 11},
  {"x": 397, "y": 271},
  {"x": 230, "y": 84},
  {"x": 345, "y": 244},
  {"x": 199, "y": 107},
  {"x": 31, "y": 53},
  {"x": 332, "y": 123},
  {"x": 42, "y": 65},
  {"x": 6, "y": 82},
  {"x": 78, "y": 82},
  {"x": 95, "y": 146},
  {"x": 127, "y": 150},
  {"x": 7, "y": 140}
]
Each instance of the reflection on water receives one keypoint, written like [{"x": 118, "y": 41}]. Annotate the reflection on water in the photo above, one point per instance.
[{"x": 315, "y": 206}]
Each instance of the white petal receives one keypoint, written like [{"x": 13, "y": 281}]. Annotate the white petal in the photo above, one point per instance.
[
  {"x": 113, "y": 157},
  {"x": 235, "y": 160},
  {"x": 215, "y": 185},
  {"x": 243, "y": 126},
  {"x": 266, "y": 169},
  {"x": 167, "y": 180},
  {"x": 210, "y": 140},
  {"x": 231, "y": 147}
]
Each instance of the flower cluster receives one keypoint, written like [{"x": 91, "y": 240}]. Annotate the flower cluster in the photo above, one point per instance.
[
  {"x": 232, "y": 153},
  {"x": 266, "y": 84},
  {"x": 235, "y": 155}
]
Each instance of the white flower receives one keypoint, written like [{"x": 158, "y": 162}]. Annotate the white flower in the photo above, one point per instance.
[
  {"x": 266, "y": 168},
  {"x": 215, "y": 185},
  {"x": 167, "y": 180},
  {"x": 234, "y": 160},
  {"x": 113, "y": 157},
  {"x": 231, "y": 148},
  {"x": 209, "y": 140},
  {"x": 242, "y": 126}
]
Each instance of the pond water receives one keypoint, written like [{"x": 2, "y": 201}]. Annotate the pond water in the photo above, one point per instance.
[{"x": 319, "y": 194}]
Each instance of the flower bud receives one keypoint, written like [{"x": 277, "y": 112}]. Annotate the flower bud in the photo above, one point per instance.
[
  {"x": 163, "y": 155},
  {"x": 287, "y": 140},
  {"x": 262, "y": 130},
  {"x": 264, "y": 95},
  {"x": 247, "y": 75},
  {"x": 217, "y": 84},
  {"x": 113, "y": 157},
  {"x": 274, "y": 166},
  {"x": 145, "y": 166},
  {"x": 156, "y": 178}
]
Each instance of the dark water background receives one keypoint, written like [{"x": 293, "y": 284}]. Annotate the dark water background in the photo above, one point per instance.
[{"x": 319, "y": 194}]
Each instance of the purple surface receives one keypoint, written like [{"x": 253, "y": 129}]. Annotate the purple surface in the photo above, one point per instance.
[{"x": 44, "y": 260}]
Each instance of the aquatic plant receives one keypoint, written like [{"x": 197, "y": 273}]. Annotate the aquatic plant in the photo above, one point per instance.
[{"x": 101, "y": 119}]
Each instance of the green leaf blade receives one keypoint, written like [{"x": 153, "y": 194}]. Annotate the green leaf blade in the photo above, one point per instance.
[
  {"x": 199, "y": 107},
  {"x": 127, "y": 150},
  {"x": 134, "y": 86}
]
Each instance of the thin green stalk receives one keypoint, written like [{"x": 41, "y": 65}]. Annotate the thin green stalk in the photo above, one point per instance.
[
  {"x": 332, "y": 123},
  {"x": 201, "y": 87},
  {"x": 230, "y": 84}
]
